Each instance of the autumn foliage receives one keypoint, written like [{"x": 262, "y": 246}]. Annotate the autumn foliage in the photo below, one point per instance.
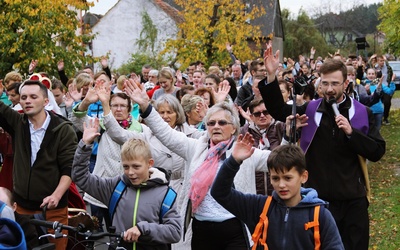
[
  {"x": 389, "y": 14},
  {"x": 209, "y": 25},
  {"x": 45, "y": 30}
]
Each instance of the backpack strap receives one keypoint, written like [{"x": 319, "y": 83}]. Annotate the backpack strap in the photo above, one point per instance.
[
  {"x": 315, "y": 224},
  {"x": 262, "y": 227},
  {"x": 2, "y": 206},
  {"x": 115, "y": 197},
  {"x": 168, "y": 201}
]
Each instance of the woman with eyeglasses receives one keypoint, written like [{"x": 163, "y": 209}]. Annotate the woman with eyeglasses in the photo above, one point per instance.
[
  {"x": 172, "y": 113},
  {"x": 213, "y": 227},
  {"x": 108, "y": 161},
  {"x": 267, "y": 134}
]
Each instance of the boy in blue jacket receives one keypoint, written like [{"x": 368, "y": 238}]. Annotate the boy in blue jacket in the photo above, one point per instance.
[{"x": 291, "y": 208}]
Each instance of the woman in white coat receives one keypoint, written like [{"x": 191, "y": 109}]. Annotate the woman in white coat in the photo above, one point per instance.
[
  {"x": 213, "y": 227},
  {"x": 172, "y": 113}
]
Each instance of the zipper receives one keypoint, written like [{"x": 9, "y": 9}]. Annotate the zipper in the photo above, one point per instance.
[
  {"x": 135, "y": 212},
  {"x": 285, "y": 226}
]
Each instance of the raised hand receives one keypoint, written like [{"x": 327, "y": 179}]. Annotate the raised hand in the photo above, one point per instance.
[
  {"x": 243, "y": 148},
  {"x": 229, "y": 47},
  {"x": 136, "y": 78},
  {"x": 271, "y": 62},
  {"x": 32, "y": 66},
  {"x": 103, "y": 92},
  {"x": 245, "y": 114},
  {"x": 360, "y": 61},
  {"x": 201, "y": 109},
  {"x": 104, "y": 62},
  {"x": 90, "y": 130},
  {"x": 60, "y": 65},
  {"x": 137, "y": 93},
  {"x": 74, "y": 93},
  {"x": 312, "y": 51},
  {"x": 68, "y": 100},
  {"x": 178, "y": 75},
  {"x": 223, "y": 91},
  {"x": 91, "y": 95}
]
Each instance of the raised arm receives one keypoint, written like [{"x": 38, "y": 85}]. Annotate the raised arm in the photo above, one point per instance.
[
  {"x": 175, "y": 141},
  {"x": 247, "y": 207}
]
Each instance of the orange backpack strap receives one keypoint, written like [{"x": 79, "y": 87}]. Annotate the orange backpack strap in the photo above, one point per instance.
[
  {"x": 262, "y": 227},
  {"x": 315, "y": 224}
]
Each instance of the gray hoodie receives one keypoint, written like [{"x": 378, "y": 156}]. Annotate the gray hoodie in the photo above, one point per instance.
[{"x": 149, "y": 197}]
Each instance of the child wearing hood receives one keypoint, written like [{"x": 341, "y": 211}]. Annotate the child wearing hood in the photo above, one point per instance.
[
  {"x": 137, "y": 212},
  {"x": 287, "y": 223}
]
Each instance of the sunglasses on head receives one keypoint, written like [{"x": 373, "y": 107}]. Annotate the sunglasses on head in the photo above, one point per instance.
[
  {"x": 220, "y": 123},
  {"x": 258, "y": 114}
]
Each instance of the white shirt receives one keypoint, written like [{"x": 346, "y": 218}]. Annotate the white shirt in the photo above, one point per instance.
[{"x": 37, "y": 137}]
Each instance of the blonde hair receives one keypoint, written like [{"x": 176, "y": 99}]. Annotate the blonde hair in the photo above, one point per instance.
[
  {"x": 214, "y": 70},
  {"x": 120, "y": 81},
  {"x": 135, "y": 148},
  {"x": 167, "y": 73},
  {"x": 83, "y": 79},
  {"x": 12, "y": 76}
]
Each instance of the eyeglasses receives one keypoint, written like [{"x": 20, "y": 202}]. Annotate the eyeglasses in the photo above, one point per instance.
[
  {"x": 333, "y": 84},
  {"x": 258, "y": 114},
  {"x": 119, "y": 106},
  {"x": 220, "y": 123}
]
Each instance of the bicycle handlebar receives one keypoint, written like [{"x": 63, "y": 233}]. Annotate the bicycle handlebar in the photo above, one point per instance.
[{"x": 88, "y": 235}]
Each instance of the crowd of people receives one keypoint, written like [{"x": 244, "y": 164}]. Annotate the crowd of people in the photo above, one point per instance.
[{"x": 265, "y": 153}]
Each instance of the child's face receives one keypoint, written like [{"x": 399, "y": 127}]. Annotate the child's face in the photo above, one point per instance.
[
  {"x": 137, "y": 170},
  {"x": 287, "y": 185}
]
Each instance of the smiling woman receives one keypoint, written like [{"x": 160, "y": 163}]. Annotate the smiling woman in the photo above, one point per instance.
[{"x": 203, "y": 157}]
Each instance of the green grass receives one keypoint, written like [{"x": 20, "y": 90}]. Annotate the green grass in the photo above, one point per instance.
[{"x": 385, "y": 182}]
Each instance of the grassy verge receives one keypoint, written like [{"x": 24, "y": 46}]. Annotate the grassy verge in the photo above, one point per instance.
[{"x": 385, "y": 182}]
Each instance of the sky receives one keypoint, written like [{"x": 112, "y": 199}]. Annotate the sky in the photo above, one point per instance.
[{"x": 102, "y": 6}]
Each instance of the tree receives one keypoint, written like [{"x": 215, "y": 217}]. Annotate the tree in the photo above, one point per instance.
[
  {"x": 148, "y": 35},
  {"x": 300, "y": 35},
  {"x": 209, "y": 25},
  {"x": 340, "y": 22},
  {"x": 45, "y": 30},
  {"x": 389, "y": 14},
  {"x": 147, "y": 47}
]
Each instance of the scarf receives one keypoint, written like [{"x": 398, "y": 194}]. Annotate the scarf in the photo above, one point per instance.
[
  {"x": 126, "y": 123},
  {"x": 204, "y": 176}
]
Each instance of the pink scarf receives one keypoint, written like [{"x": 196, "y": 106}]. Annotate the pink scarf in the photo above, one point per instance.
[{"x": 204, "y": 176}]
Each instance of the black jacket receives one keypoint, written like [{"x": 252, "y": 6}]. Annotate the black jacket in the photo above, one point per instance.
[{"x": 332, "y": 157}]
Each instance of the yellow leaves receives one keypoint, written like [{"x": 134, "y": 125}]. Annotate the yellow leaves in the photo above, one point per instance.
[
  {"x": 209, "y": 25},
  {"x": 32, "y": 29}
]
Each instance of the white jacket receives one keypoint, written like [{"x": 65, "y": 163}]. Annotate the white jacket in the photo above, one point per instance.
[
  {"x": 194, "y": 152},
  {"x": 163, "y": 157}
]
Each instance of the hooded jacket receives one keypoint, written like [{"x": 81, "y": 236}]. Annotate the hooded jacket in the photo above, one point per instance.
[
  {"x": 148, "y": 197},
  {"x": 32, "y": 183},
  {"x": 286, "y": 224},
  {"x": 11, "y": 235}
]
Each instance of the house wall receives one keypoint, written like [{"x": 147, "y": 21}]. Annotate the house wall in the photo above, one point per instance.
[{"x": 119, "y": 29}]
